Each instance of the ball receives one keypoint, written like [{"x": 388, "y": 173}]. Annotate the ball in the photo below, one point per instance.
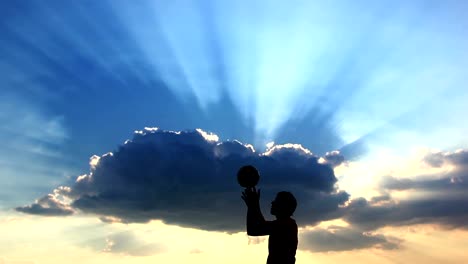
[{"x": 248, "y": 176}]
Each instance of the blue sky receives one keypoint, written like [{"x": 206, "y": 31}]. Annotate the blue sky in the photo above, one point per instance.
[{"x": 78, "y": 79}]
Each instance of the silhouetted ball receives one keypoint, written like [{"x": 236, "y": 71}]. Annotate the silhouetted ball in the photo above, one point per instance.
[{"x": 248, "y": 176}]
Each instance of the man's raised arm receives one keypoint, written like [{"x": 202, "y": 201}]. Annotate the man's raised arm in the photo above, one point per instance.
[{"x": 256, "y": 224}]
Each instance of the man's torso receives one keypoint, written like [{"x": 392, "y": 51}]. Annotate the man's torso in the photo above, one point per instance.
[{"x": 282, "y": 243}]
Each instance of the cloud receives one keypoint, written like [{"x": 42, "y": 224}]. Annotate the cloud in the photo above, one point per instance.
[
  {"x": 457, "y": 158},
  {"x": 126, "y": 243},
  {"x": 451, "y": 213},
  {"x": 439, "y": 199},
  {"x": 436, "y": 196},
  {"x": 337, "y": 238},
  {"x": 187, "y": 178},
  {"x": 255, "y": 240},
  {"x": 334, "y": 158},
  {"x": 49, "y": 205},
  {"x": 196, "y": 251}
]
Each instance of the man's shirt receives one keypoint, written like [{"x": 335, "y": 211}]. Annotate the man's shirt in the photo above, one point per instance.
[{"x": 282, "y": 243}]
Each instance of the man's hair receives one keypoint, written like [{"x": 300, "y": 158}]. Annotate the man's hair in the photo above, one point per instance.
[{"x": 289, "y": 202}]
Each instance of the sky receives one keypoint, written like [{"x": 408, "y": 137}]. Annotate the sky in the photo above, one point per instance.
[{"x": 123, "y": 125}]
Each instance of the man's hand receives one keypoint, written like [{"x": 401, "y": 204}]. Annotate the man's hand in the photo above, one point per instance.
[{"x": 251, "y": 196}]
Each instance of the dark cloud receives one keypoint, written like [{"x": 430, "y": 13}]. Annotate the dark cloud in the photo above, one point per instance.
[
  {"x": 334, "y": 158},
  {"x": 457, "y": 158},
  {"x": 448, "y": 212},
  {"x": 381, "y": 198},
  {"x": 336, "y": 238},
  {"x": 392, "y": 183},
  {"x": 449, "y": 183},
  {"x": 434, "y": 159},
  {"x": 48, "y": 205},
  {"x": 187, "y": 178},
  {"x": 436, "y": 199}
]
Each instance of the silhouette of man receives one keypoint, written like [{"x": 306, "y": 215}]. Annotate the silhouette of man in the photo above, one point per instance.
[{"x": 282, "y": 243}]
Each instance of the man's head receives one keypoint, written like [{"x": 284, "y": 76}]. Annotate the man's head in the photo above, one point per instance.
[{"x": 284, "y": 205}]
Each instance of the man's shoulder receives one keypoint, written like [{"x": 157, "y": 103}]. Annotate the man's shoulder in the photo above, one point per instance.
[{"x": 292, "y": 223}]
